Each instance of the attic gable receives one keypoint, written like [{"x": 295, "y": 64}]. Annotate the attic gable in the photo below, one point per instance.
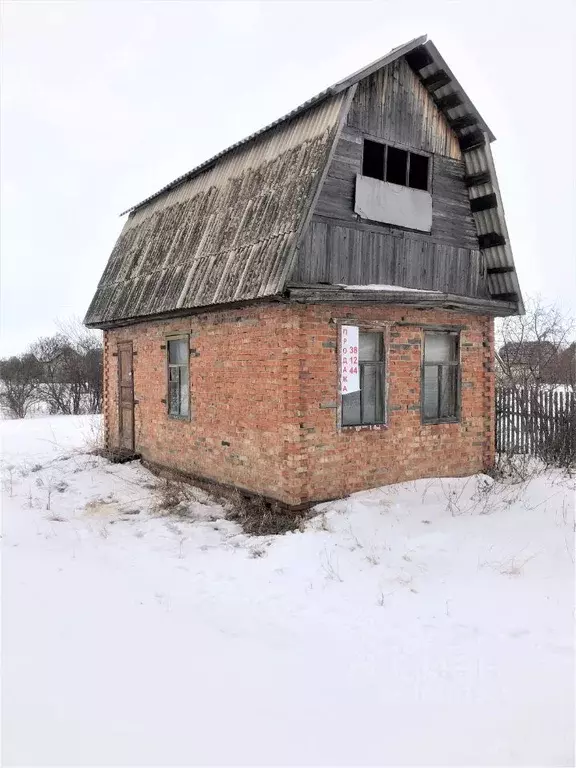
[
  {"x": 228, "y": 230},
  {"x": 393, "y": 104}
]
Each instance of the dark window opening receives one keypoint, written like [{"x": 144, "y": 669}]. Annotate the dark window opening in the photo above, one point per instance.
[
  {"x": 373, "y": 160},
  {"x": 440, "y": 377},
  {"x": 367, "y": 405},
  {"x": 178, "y": 369},
  {"x": 418, "y": 176},
  {"x": 396, "y": 165}
]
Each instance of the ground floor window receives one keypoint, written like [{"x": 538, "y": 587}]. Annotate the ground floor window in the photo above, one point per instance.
[
  {"x": 178, "y": 377},
  {"x": 366, "y": 404},
  {"x": 440, "y": 377}
]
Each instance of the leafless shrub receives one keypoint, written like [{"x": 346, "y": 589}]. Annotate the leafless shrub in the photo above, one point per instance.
[
  {"x": 509, "y": 566},
  {"x": 56, "y": 519},
  {"x": 261, "y": 517},
  {"x": 515, "y": 565},
  {"x": 94, "y": 437},
  {"x": 355, "y": 539},
  {"x": 374, "y": 553},
  {"x": 175, "y": 497},
  {"x": 19, "y": 384},
  {"x": 329, "y": 563},
  {"x": 257, "y": 552},
  {"x": 173, "y": 528},
  {"x": 9, "y": 475},
  {"x": 170, "y": 495},
  {"x": 48, "y": 484},
  {"x": 323, "y": 523},
  {"x": 512, "y": 467},
  {"x": 255, "y": 514},
  {"x": 454, "y": 498}
]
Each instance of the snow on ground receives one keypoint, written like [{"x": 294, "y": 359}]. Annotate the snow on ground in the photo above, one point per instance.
[{"x": 428, "y": 623}]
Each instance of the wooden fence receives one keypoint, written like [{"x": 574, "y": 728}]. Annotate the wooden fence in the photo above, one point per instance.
[{"x": 536, "y": 421}]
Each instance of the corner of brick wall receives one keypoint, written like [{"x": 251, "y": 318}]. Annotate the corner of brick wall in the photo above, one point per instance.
[
  {"x": 105, "y": 388},
  {"x": 489, "y": 396}
]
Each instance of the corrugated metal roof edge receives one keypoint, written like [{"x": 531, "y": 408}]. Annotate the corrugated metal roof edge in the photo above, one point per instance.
[{"x": 333, "y": 90}]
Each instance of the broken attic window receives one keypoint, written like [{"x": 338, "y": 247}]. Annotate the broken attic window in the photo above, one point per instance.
[
  {"x": 396, "y": 166},
  {"x": 418, "y": 176},
  {"x": 373, "y": 160}
]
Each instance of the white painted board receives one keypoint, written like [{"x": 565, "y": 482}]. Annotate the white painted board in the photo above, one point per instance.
[
  {"x": 393, "y": 204},
  {"x": 349, "y": 370}
]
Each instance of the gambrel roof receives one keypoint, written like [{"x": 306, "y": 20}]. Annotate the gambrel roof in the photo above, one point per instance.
[{"x": 227, "y": 231}]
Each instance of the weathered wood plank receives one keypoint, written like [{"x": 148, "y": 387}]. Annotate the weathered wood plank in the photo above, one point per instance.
[
  {"x": 394, "y": 105},
  {"x": 449, "y": 101},
  {"x": 361, "y": 256},
  {"x": 471, "y": 140},
  {"x": 437, "y": 80},
  {"x": 483, "y": 203}
]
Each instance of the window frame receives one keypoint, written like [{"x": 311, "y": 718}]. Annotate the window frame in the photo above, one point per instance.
[
  {"x": 177, "y": 337},
  {"x": 456, "y": 363},
  {"x": 383, "y": 365},
  {"x": 394, "y": 145}
]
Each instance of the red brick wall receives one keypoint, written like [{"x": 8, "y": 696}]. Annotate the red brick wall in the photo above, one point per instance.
[
  {"x": 340, "y": 461},
  {"x": 264, "y": 383}
]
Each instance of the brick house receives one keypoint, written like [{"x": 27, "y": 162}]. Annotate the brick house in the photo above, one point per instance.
[{"x": 310, "y": 312}]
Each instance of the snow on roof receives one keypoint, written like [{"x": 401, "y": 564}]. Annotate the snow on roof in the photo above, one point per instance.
[{"x": 391, "y": 288}]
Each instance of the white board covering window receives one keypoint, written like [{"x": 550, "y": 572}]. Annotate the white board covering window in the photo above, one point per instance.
[{"x": 393, "y": 204}]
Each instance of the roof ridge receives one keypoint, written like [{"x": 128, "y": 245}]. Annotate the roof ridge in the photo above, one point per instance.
[{"x": 332, "y": 90}]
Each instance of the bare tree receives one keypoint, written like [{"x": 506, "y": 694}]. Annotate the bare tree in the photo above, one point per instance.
[
  {"x": 19, "y": 383},
  {"x": 71, "y": 365},
  {"x": 53, "y": 355},
  {"x": 537, "y": 349},
  {"x": 63, "y": 371},
  {"x": 87, "y": 344},
  {"x": 536, "y": 366}
]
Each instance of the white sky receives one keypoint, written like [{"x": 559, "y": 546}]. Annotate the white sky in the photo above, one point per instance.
[{"x": 105, "y": 102}]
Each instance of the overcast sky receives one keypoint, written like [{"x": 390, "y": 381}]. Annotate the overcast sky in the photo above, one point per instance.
[{"x": 105, "y": 102}]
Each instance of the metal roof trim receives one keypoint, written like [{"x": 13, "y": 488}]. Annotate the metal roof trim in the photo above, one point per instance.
[
  {"x": 383, "y": 61},
  {"x": 333, "y": 90},
  {"x": 434, "y": 52},
  {"x": 211, "y": 161}
]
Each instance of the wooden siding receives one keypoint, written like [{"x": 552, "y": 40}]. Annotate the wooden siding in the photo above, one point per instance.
[
  {"x": 360, "y": 255},
  {"x": 452, "y": 221},
  {"x": 392, "y": 104}
]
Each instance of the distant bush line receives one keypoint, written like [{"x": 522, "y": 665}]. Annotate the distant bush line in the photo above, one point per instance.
[{"x": 59, "y": 374}]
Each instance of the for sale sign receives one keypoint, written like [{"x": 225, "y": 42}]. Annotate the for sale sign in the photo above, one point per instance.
[{"x": 349, "y": 375}]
